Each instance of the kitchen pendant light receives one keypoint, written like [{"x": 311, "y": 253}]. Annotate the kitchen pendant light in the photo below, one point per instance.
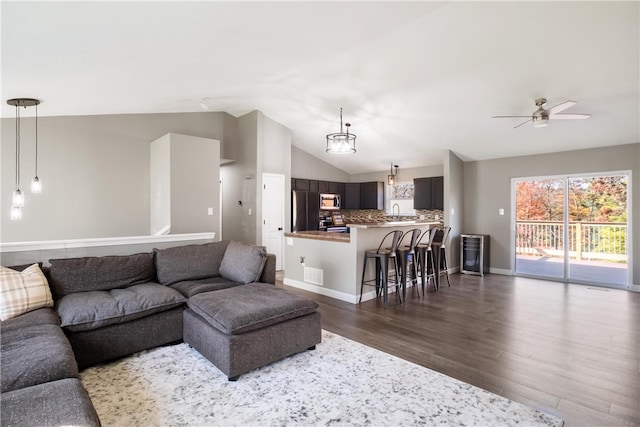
[
  {"x": 391, "y": 178},
  {"x": 18, "y": 196},
  {"x": 341, "y": 142}
]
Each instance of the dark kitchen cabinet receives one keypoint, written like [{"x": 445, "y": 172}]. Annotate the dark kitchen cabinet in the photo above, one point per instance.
[
  {"x": 313, "y": 186},
  {"x": 372, "y": 195},
  {"x": 428, "y": 193},
  {"x": 351, "y": 195},
  {"x": 329, "y": 187},
  {"x": 299, "y": 184}
]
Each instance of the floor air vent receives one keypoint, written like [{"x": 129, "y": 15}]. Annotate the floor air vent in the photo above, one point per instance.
[{"x": 313, "y": 275}]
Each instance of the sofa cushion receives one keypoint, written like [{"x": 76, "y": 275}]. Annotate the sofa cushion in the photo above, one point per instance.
[
  {"x": 84, "y": 311},
  {"x": 246, "y": 308},
  {"x": 189, "y": 288},
  {"x": 190, "y": 262},
  {"x": 35, "y": 355},
  {"x": 23, "y": 291},
  {"x": 243, "y": 262},
  {"x": 57, "y": 403},
  {"x": 71, "y": 275},
  {"x": 41, "y": 316}
]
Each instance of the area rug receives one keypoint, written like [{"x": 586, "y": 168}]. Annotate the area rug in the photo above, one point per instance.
[{"x": 341, "y": 383}]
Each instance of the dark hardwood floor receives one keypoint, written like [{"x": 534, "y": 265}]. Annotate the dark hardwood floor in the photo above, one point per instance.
[{"x": 569, "y": 350}]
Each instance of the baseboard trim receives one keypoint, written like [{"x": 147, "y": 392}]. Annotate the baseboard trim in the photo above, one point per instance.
[
  {"x": 342, "y": 296},
  {"x": 634, "y": 288},
  {"x": 502, "y": 271}
]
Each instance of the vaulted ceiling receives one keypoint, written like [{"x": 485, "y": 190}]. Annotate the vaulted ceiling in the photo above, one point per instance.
[{"x": 413, "y": 78}]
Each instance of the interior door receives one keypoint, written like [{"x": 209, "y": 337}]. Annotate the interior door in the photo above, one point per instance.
[{"x": 273, "y": 215}]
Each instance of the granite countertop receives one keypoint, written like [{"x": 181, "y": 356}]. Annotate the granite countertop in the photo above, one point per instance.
[
  {"x": 320, "y": 235},
  {"x": 386, "y": 224}
]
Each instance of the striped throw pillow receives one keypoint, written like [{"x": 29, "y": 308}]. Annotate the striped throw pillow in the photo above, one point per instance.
[{"x": 23, "y": 291}]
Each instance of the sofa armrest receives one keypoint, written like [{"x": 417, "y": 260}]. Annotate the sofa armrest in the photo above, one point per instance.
[{"x": 269, "y": 270}]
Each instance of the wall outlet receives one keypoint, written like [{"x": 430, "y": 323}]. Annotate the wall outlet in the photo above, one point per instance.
[
  {"x": 210, "y": 211},
  {"x": 437, "y": 217},
  {"x": 421, "y": 217},
  {"x": 500, "y": 211},
  {"x": 249, "y": 211}
]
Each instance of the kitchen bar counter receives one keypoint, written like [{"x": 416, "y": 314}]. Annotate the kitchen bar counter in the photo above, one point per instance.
[
  {"x": 320, "y": 235},
  {"x": 331, "y": 263}
]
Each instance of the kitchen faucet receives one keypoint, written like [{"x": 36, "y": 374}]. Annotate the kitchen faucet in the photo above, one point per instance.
[{"x": 393, "y": 210}]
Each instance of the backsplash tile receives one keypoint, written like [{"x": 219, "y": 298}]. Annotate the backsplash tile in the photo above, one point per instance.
[{"x": 373, "y": 215}]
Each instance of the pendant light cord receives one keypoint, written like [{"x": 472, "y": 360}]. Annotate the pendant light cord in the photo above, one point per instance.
[
  {"x": 17, "y": 147},
  {"x": 36, "y": 140}
]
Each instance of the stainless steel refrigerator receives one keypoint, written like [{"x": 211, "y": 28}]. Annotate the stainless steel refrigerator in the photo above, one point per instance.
[{"x": 305, "y": 210}]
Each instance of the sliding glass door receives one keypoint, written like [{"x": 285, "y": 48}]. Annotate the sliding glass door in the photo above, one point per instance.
[{"x": 572, "y": 228}]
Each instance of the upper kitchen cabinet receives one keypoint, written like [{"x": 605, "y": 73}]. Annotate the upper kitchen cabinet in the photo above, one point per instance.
[
  {"x": 372, "y": 195},
  {"x": 313, "y": 186},
  {"x": 351, "y": 195},
  {"x": 299, "y": 184},
  {"x": 428, "y": 193},
  {"x": 329, "y": 187}
]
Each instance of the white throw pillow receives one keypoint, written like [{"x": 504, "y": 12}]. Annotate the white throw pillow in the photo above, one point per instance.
[{"x": 23, "y": 291}]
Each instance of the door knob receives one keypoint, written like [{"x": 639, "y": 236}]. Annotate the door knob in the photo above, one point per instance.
[{"x": 279, "y": 228}]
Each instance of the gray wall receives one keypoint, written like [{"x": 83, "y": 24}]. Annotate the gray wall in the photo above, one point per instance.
[
  {"x": 453, "y": 204},
  {"x": 304, "y": 165},
  {"x": 264, "y": 146},
  {"x": 274, "y": 148},
  {"x": 487, "y": 187},
  {"x": 95, "y": 172}
]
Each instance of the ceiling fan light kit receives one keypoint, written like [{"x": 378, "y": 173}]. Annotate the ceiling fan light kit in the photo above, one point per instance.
[{"x": 541, "y": 117}]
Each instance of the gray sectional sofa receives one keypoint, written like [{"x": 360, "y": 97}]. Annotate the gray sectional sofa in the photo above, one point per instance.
[{"x": 113, "y": 306}]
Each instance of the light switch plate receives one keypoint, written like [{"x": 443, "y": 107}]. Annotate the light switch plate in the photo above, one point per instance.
[
  {"x": 209, "y": 211},
  {"x": 500, "y": 211}
]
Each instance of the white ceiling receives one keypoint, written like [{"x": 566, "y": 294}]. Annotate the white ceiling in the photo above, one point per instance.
[{"x": 413, "y": 78}]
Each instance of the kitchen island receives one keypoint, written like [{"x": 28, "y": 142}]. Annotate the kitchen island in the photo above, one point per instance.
[{"x": 331, "y": 263}]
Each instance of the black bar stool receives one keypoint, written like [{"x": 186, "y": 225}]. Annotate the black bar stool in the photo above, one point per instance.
[
  {"x": 385, "y": 252},
  {"x": 439, "y": 246},
  {"x": 425, "y": 258},
  {"x": 404, "y": 253}
]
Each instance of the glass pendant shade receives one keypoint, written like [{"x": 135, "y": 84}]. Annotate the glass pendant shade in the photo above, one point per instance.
[
  {"x": 391, "y": 178},
  {"x": 16, "y": 213},
  {"x": 341, "y": 142},
  {"x": 36, "y": 185},
  {"x": 18, "y": 198}
]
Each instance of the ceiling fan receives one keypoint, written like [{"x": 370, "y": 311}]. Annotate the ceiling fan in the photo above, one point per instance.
[{"x": 541, "y": 117}]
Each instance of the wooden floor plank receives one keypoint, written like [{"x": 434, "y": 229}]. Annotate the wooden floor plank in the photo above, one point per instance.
[{"x": 572, "y": 350}]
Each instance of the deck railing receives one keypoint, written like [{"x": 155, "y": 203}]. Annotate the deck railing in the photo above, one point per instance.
[{"x": 587, "y": 240}]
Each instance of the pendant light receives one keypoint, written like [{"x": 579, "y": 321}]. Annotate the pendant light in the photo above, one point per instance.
[
  {"x": 18, "y": 196},
  {"x": 341, "y": 142},
  {"x": 36, "y": 185},
  {"x": 391, "y": 178}
]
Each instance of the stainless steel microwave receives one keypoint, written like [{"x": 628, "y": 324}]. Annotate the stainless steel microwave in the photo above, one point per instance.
[{"x": 329, "y": 201}]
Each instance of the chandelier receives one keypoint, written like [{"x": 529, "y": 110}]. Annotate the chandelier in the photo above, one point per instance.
[
  {"x": 341, "y": 142},
  {"x": 17, "y": 200}
]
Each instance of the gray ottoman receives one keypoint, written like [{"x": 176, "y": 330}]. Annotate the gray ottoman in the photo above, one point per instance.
[{"x": 243, "y": 328}]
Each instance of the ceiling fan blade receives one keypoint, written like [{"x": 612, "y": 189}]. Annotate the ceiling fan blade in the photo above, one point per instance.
[
  {"x": 561, "y": 107},
  {"x": 523, "y": 123},
  {"x": 506, "y": 117},
  {"x": 570, "y": 116}
]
